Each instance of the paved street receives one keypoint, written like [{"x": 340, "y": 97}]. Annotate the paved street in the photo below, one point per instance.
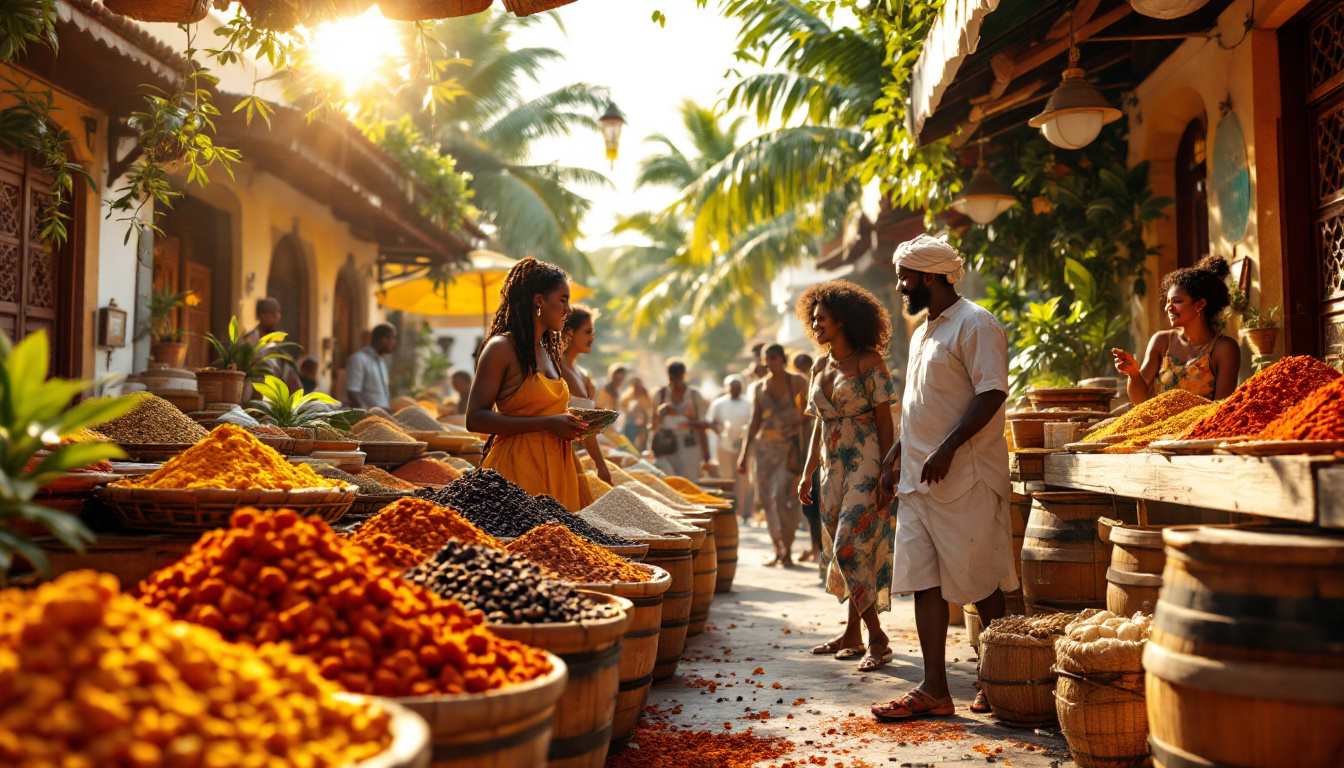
[{"x": 751, "y": 670}]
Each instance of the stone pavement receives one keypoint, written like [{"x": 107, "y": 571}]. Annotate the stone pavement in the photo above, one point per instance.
[{"x": 751, "y": 669}]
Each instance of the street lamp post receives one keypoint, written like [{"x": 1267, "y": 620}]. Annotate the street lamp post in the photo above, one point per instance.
[{"x": 612, "y": 122}]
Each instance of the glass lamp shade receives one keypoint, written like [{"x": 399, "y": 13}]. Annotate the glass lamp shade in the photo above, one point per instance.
[
  {"x": 983, "y": 199},
  {"x": 1075, "y": 113},
  {"x": 612, "y": 122}
]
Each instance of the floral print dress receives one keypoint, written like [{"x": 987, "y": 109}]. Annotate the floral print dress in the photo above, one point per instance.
[{"x": 857, "y": 537}]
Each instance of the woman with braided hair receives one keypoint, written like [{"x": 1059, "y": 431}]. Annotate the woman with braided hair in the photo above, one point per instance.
[{"x": 519, "y": 395}]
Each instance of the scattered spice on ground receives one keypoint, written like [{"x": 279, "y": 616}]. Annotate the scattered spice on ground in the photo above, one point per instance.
[
  {"x": 657, "y": 744},
  {"x": 1263, "y": 398},
  {"x": 416, "y": 419},
  {"x": 556, "y": 512},
  {"x": 366, "y": 486},
  {"x": 420, "y": 526},
  {"x": 505, "y": 587},
  {"x": 382, "y": 477},
  {"x": 230, "y": 457},
  {"x": 490, "y": 501},
  {"x": 1151, "y": 411},
  {"x": 153, "y": 420},
  {"x": 552, "y": 546},
  {"x": 276, "y": 577},
  {"x": 1319, "y": 417},
  {"x": 426, "y": 472},
  {"x": 94, "y": 678},
  {"x": 624, "y": 508}
]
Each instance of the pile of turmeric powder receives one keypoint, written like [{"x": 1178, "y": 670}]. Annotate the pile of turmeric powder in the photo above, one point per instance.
[
  {"x": 273, "y": 577},
  {"x": 1167, "y": 429},
  {"x": 1150, "y": 412},
  {"x": 230, "y": 457},
  {"x": 90, "y": 677},
  {"x": 421, "y": 528}
]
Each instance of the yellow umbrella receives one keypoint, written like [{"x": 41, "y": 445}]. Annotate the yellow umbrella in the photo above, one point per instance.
[{"x": 470, "y": 297}]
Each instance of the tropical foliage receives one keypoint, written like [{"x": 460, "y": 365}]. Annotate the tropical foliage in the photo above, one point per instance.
[
  {"x": 252, "y": 357},
  {"x": 35, "y": 414},
  {"x": 283, "y": 408}
]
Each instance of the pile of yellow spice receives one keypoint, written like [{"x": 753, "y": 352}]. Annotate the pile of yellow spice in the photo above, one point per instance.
[
  {"x": 230, "y": 457},
  {"x": 90, "y": 677},
  {"x": 1147, "y": 414}
]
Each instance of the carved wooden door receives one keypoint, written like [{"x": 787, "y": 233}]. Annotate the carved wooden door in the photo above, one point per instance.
[
  {"x": 196, "y": 320},
  {"x": 31, "y": 270},
  {"x": 1325, "y": 123}
]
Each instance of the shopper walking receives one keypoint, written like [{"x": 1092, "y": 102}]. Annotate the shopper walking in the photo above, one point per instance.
[
  {"x": 609, "y": 397},
  {"x": 637, "y": 405},
  {"x": 520, "y": 395},
  {"x": 366, "y": 371},
  {"x": 950, "y": 467},
  {"x": 576, "y": 338},
  {"x": 774, "y": 444},
  {"x": 679, "y": 427},
  {"x": 802, "y": 365},
  {"x": 849, "y": 397},
  {"x": 730, "y": 413}
]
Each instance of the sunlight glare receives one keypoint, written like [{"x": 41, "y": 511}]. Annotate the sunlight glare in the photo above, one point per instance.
[{"x": 352, "y": 50}]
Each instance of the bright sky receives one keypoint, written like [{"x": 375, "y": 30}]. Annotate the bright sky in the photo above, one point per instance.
[{"x": 650, "y": 71}]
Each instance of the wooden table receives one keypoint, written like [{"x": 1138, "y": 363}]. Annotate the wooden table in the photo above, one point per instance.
[{"x": 1306, "y": 489}]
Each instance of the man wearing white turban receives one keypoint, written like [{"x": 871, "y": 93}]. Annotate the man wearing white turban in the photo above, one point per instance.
[{"x": 950, "y": 466}]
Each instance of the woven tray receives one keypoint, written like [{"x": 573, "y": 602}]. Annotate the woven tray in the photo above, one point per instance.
[
  {"x": 172, "y": 509},
  {"x": 1284, "y": 447},
  {"x": 392, "y": 454},
  {"x": 335, "y": 445},
  {"x": 1192, "y": 447},
  {"x": 154, "y": 452}
]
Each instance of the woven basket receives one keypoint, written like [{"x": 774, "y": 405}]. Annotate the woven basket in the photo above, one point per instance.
[
  {"x": 173, "y": 509},
  {"x": 391, "y": 455},
  {"x": 282, "y": 445},
  {"x": 1100, "y": 701},
  {"x": 369, "y": 505},
  {"x": 529, "y": 7},
  {"x": 1018, "y": 677},
  {"x": 170, "y": 11},
  {"x": 426, "y": 10}
]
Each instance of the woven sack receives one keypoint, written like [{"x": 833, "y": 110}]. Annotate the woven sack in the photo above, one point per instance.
[
  {"x": 1099, "y": 699},
  {"x": 170, "y": 11},
  {"x": 1017, "y": 676}
]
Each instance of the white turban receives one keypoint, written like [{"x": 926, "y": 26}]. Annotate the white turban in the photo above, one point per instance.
[{"x": 931, "y": 255}]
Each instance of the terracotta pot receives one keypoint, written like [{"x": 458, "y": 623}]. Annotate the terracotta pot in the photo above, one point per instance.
[
  {"x": 171, "y": 353},
  {"x": 220, "y": 386},
  {"x": 1262, "y": 340},
  {"x": 171, "y": 11}
]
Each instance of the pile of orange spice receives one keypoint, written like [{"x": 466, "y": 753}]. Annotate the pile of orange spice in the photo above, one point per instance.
[
  {"x": 421, "y": 528},
  {"x": 691, "y": 491},
  {"x": 553, "y": 546},
  {"x": 1319, "y": 417},
  {"x": 1263, "y": 398},
  {"x": 273, "y": 577}
]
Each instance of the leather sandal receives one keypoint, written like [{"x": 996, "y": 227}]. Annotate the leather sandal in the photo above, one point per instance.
[
  {"x": 874, "y": 659},
  {"x": 981, "y": 704},
  {"x": 914, "y": 704}
]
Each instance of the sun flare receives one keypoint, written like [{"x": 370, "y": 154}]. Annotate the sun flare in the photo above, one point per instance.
[{"x": 352, "y": 50}]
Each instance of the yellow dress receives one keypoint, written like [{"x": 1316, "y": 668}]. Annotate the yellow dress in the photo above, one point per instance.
[{"x": 539, "y": 462}]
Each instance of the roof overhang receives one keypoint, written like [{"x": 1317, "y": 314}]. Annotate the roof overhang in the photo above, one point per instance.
[{"x": 953, "y": 36}]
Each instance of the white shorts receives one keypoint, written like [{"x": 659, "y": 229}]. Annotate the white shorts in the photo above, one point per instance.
[{"x": 964, "y": 546}]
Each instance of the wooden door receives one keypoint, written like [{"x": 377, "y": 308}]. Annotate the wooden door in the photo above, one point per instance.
[
  {"x": 198, "y": 279},
  {"x": 168, "y": 269}
]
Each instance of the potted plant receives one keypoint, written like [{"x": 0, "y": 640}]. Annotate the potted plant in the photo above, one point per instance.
[
  {"x": 238, "y": 361},
  {"x": 296, "y": 412},
  {"x": 1261, "y": 329},
  {"x": 166, "y": 345},
  {"x": 35, "y": 411}
]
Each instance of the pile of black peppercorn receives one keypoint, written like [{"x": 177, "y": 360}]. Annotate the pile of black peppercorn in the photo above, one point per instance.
[{"x": 505, "y": 587}]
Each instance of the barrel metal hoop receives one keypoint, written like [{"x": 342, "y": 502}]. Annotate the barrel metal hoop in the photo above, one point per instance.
[
  {"x": 647, "y": 602},
  {"x": 453, "y": 752},
  {"x": 1171, "y": 757},
  {"x": 1060, "y": 555},
  {"x": 677, "y": 623},
  {"x": 1250, "y": 631},
  {"x": 1085, "y": 532},
  {"x": 583, "y": 664},
  {"x": 582, "y": 744},
  {"x": 636, "y": 634},
  {"x": 1065, "y": 606},
  {"x": 1300, "y": 685},
  {"x": 1321, "y": 612},
  {"x": 1133, "y": 579},
  {"x": 678, "y": 595},
  {"x": 635, "y": 685}
]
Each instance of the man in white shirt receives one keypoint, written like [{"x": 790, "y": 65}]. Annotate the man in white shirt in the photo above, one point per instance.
[
  {"x": 730, "y": 414},
  {"x": 366, "y": 373},
  {"x": 949, "y": 468}
]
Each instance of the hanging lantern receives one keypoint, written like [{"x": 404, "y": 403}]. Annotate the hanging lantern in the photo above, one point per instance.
[
  {"x": 983, "y": 199},
  {"x": 1166, "y": 9},
  {"x": 1076, "y": 111},
  {"x": 612, "y": 122}
]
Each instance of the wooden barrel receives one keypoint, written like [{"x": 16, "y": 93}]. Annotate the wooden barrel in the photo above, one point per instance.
[
  {"x": 1064, "y": 560},
  {"x": 592, "y": 652},
  {"x": 640, "y": 651},
  {"x": 1246, "y": 659},
  {"x": 1135, "y": 576},
  {"x": 673, "y": 554},
  {"x": 507, "y": 728},
  {"x": 704, "y": 578},
  {"x": 1018, "y": 678},
  {"x": 410, "y": 737},
  {"x": 725, "y": 546}
]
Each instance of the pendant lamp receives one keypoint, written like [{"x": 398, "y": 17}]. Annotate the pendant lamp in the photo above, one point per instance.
[
  {"x": 983, "y": 199},
  {"x": 1166, "y": 9},
  {"x": 1076, "y": 111},
  {"x": 612, "y": 122}
]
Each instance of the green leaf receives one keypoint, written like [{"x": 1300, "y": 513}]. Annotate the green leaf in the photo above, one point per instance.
[
  {"x": 78, "y": 455},
  {"x": 12, "y": 543},
  {"x": 91, "y": 413}
]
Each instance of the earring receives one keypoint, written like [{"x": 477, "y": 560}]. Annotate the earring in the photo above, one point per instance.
[{"x": 538, "y": 311}]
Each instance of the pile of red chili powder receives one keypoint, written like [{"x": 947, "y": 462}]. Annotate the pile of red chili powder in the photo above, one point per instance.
[
  {"x": 658, "y": 744},
  {"x": 1263, "y": 398},
  {"x": 1319, "y": 417}
]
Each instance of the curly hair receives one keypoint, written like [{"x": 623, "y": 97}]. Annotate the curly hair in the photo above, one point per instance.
[
  {"x": 865, "y": 321},
  {"x": 1206, "y": 280},
  {"x": 578, "y": 315},
  {"x": 528, "y": 278}
]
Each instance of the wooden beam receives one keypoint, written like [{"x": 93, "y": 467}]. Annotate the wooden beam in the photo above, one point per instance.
[
  {"x": 1082, "y": 13},
  {"x": 990, "y": 108},
  {"x": 1044, "y": 52}
]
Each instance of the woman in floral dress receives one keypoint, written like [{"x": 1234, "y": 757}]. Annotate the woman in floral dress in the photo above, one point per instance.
[{"x": 850, "y": 395}]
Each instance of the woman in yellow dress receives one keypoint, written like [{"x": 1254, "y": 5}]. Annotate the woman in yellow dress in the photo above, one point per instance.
[{"x": 519, "y": 396}]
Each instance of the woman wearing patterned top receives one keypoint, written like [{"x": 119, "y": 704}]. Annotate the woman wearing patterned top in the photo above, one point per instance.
[
  {"x": 1193, "y": 355},
  {"x": 773, "y": 441},
  {"x": 849, "y": 396}
]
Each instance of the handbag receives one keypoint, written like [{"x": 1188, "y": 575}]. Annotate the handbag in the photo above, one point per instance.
[{"x": 664, "y": 441}]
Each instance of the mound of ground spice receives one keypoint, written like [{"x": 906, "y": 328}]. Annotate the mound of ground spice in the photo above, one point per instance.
[
  {"x": 387, "y": 480},
  {"x": 420, "y": 526},
  {"x": 1151, "y": 411},
  {"x": 153, "y": 420},
  {"x": 658, "y": 744},
  {"x": 690, "y": 491},
  {"x": 596, "y": 485},
  {"x": 376, "y": 429},
  {"x": 1163, "y": 430},
  {"x": 366, "y": 486},
  {"x": 427, "y": 472},
  {"x": 1263, "y": 398},
  {"x": 416, "y": 419},
  {"x": 230, "y": 457},
  {"x": 273, "y": 577},
  {"x": 552, "y": 546},
  {"x": 1319, "y": 417}
]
